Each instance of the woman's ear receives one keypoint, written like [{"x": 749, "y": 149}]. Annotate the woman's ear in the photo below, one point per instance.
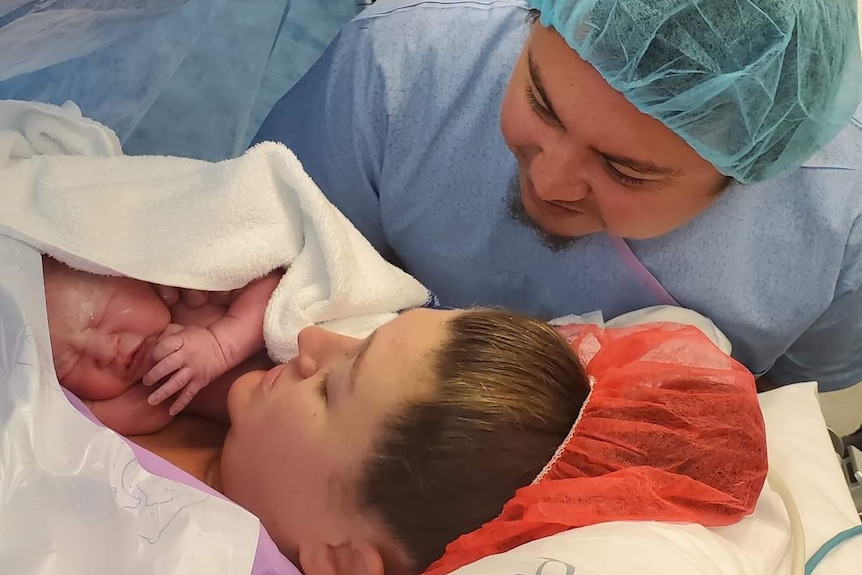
[{"x": 359, "y": 557}]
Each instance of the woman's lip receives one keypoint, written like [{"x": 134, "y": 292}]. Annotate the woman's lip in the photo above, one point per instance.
[{"x": 271, "y": 376}]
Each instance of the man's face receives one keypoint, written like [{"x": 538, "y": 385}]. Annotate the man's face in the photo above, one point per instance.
[{"x": 588, "y": 160}]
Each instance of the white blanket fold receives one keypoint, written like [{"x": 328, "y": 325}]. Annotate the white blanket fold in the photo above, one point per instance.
[{"x": 193, "y": 224}]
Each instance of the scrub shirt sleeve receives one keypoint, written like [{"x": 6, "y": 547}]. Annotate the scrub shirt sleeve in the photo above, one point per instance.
[
  {"x": 335, "y": 121},
  {"x": 830, "y": 350}
]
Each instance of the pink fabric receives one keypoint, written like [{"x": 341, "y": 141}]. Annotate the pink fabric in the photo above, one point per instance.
[
  {"x": 268, "y": 560},
  {"x": 639, "y": 270}
]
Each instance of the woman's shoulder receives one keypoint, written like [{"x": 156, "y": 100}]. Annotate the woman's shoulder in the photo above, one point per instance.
[
  {"x": 185, "y": 432},
  {"x": 189, "y": 442}
]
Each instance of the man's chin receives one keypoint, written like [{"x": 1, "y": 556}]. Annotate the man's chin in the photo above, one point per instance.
[
  {"x": 553, "y": 241},
  {"x": 575, "y": 227}
]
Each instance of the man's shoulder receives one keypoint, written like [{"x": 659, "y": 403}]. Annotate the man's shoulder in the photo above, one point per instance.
[
  {"x": 431, "y": 10},
  {"x": 452, "y": 31},
  {"x": 428, "y": 56},
  {"x": 844, "y": 152}
]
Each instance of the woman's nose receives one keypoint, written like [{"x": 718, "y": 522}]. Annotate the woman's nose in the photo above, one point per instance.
[{"x": 318, "y": 347}]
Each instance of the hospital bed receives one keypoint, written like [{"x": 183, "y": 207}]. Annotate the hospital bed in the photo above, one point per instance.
[
  {"x": 851, "y": 465},
  {"x": 75, "y": 497}
]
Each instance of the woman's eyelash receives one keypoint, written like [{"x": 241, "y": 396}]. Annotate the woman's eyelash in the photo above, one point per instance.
[
  {"x": 621, "y": 177},
  {"x": 322, "y": 388}
]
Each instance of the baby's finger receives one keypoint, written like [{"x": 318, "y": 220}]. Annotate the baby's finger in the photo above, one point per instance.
[
  {"x": 171, "y": 329},
  {"x": 170, "y": 295},
  {"x": 170, "y": 387},
  {"x": 162, "y": 369},
  {"x": 194, "y": 298},
  {"x": 186, "y": 396},
  {"x": 166, "y": 345},
  {"x": 224, "y": 298}
]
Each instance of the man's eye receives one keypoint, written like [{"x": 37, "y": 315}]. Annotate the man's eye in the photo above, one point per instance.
[
  {"x": 537, "y": 107},
  {"x": 622, "y": 178}
]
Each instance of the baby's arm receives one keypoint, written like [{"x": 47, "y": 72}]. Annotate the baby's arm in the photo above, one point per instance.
[
  {"x": 197, "y": 355},
  {"x": 239, "y": 332}
]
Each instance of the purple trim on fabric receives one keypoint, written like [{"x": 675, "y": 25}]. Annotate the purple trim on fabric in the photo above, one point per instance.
[
  {"x": 640, "y": 271},
  {"x": 268, "y": 560}
]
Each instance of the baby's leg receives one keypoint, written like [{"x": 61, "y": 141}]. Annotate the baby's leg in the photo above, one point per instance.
[{"x": 130, "y": 414}]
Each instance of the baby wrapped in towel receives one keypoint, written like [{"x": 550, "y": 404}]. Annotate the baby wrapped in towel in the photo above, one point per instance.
[
  {"x": 236, "y": 221},
  {"x": 112, "y": 338}
]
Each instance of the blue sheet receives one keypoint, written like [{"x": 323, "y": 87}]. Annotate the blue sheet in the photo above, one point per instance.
[{"x": 182, "y": 77}]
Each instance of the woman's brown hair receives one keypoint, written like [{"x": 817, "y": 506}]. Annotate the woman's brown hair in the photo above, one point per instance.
[{"x": 509, "y": 390}]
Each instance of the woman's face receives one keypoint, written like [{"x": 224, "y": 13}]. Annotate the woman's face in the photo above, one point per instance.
[
  {"x": 302, "y": 432},
  {"x": 589, "y": 161}
]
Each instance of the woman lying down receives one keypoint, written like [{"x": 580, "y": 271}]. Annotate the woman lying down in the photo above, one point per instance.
[{"x": 370, "y": 456}]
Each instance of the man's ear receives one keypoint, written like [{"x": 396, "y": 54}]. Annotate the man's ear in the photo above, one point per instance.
[{"x": 358, "y": 557}]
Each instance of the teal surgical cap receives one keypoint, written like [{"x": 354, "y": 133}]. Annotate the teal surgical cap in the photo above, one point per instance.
[{"x": 756, "y": 87}]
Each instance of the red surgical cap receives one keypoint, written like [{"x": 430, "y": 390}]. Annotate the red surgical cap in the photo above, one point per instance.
[{"x": 672, "y": 431}]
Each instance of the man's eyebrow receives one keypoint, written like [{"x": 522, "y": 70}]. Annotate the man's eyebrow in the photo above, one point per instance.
[
  {"x": 540, "y": 88},
  {"x": 642, "y": 166},
  {"x": 357, "y": 363}
]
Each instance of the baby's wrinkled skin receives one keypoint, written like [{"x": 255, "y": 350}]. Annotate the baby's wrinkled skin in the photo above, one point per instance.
[{"x": 112, "y": 338}]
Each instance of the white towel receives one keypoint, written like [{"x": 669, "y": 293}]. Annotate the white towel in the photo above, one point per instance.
[
  {"x": 30, "y": 129},
  {"x": 195, "y": 224}
]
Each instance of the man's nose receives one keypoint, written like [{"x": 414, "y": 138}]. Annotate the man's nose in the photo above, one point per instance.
[{"x": 556, "y": 176}]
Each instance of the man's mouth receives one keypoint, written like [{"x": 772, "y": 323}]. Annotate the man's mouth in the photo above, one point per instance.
[
  {"x": 517, "y": 211},
  {"x": 570, "y": 208},
  {"x": 574, "y": 207}
]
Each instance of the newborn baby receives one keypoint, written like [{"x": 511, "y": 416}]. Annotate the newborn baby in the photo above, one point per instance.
[{"x": 112, "y": 338}]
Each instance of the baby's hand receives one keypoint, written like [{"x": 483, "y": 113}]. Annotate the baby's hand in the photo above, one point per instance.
[
  {"x": 194, "y": 299},
  {"x": 191, "y": 356}
]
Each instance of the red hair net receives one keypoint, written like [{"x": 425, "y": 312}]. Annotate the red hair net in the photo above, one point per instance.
[{"x": 672, "y": 431}]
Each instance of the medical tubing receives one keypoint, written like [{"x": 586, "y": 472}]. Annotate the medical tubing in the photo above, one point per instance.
[
  {"x": 829, "y": 546},
  {"x": 797, "y": 531}
]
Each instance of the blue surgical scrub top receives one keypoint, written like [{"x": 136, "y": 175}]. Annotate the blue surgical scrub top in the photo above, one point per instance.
[{"x": 398, "y": 123}]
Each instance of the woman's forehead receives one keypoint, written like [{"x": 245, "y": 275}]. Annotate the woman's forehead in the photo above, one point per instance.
[{"x": 397, "y": 366}]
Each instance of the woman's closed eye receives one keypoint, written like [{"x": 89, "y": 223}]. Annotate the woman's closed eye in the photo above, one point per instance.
[{"x": 323, "y": 387}]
